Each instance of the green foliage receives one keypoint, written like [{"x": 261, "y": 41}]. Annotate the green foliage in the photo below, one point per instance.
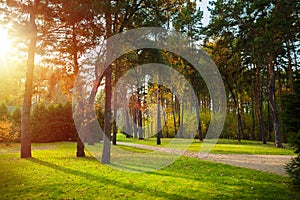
[
  {"x": 51, "y": 123},
  {"x": 293, "y": 169},
  {"x": 291, "y": 116},
  {"x": 55, "y": 173}
]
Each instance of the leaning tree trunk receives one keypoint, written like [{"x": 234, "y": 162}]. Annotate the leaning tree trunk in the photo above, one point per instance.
[
  {"x": 25, "y": 122},
  {"x": 272, "y": 100}
]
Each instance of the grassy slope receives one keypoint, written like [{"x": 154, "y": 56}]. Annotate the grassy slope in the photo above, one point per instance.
[
  {"x": 55, "y": 173},
  {"x": 223, "y": 146}
]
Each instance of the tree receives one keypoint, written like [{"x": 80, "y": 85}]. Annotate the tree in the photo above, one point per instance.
[
  {"x": 25, "y": 123},
  {"x": 261, "y": 46}
]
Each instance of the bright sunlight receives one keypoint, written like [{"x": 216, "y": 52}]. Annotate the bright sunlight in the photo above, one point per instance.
[{"x": 5, "y": 47}]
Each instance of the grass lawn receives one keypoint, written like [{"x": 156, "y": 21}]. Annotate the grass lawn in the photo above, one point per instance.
[
  {"x": 55, "y": 173},
  {"x": 223, "y": 146}
]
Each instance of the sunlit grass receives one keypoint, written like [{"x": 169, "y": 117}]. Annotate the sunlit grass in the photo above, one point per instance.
[
  {"x": 55, "y": 173},
  {"x": 223, "y": 146}
]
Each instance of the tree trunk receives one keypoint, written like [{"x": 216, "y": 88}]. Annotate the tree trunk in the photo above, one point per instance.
[
  {"x": 158, "y": 126},
  {"x": 140, "y": 118},
  {"x": 181, "y": 129},
  {"x": 127, "y": 126},
  {"x": 259, "y": 105},
  {"x": 174, "y": 115},
  {"x": 199, "y": 129},
  {"x": 25, "y": 121},
  {"x": 269, "y": 123},
  {"x": 243, "y": 120},
  {"x": 239, "y": 123},
  {"x": 135, "y": 124},
  {"x": 276, "y": 123},
  {"x": 108, "y": 93},
  {"x": 80, "y": 145},
  {"x": 179, "y": 115},
  {"x": 253, "y": 119},
  {"x": 253, "y": 111},
  {"x": 80, "y": 148},
  {"x": 107, "y": 118},
  {"x": 115, "y": 128}
]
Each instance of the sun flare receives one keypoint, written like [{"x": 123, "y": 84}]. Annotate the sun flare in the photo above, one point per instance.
[
  {"x": 4, "y": 42},
  {"x": 5, "y": 47}
]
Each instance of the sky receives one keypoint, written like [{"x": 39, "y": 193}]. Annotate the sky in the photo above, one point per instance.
[{"x": 206, "y": 14}]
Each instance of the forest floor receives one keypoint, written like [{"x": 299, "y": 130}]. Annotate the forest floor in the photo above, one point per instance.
[{"x": 267, "y": 163}]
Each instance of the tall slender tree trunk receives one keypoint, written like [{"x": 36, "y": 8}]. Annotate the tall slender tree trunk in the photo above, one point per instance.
[
  {"x": 158, "y": 126},
  {"x": 253, "y": 110},
  {"x": 135, "y": 124},
  {"x": 127, "y": 126},
  {"x": 179, "y": 117},
  {"x": 199, "y": 129},
  {"x": 239, "y": 123},
  {"x": 272, "y": 100},
  {"x": 80, "y": 145},
  {"x": 269, "y": 123},
  {"x": 108, "y": 91},
  {"x": 181, "y": 131},
  {"x": 253, "y": 119},
  {"x": 166, "y": 121},
  {"x": 174, "y": 115},
  {"x": 259, "y": 105},
  {"x": 25, "y": 121},
  {"x": 140, "y": 118},
  {"x": 115, "y": 128},
  {"x": 243, "y": 120}
]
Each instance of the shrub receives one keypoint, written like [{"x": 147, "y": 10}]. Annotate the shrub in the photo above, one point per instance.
[
  {"x": 8, "y": 133},
  {"x": 291, "y": 117},
  {"x": 293, "y": 168}
]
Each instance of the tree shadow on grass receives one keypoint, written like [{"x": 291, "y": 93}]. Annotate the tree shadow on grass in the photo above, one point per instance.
[{"x": 108, "y": 181}]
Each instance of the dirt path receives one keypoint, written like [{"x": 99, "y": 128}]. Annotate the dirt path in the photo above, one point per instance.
[{"x": 267, "y": 163}]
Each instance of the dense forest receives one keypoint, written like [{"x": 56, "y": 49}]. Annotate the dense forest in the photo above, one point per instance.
[{"x": 255, "y": 45}]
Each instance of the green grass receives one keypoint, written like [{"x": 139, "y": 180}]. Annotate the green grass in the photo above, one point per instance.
[
  {"x": 55, "y": 173},
  {"x": 223, "y": 146}
]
